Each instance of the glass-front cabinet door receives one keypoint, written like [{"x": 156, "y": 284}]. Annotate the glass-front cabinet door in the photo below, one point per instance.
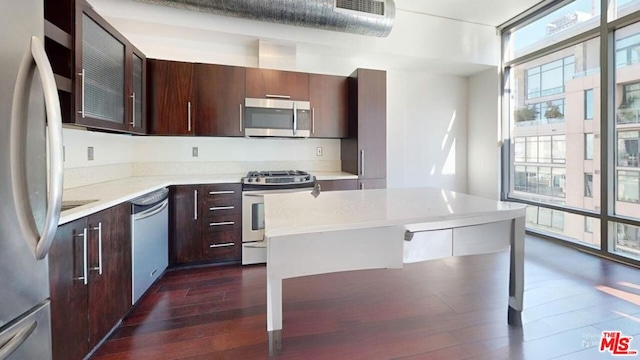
[
  {"x": 137, "y": 101},
  {"x": 101, "y": 77},
  {"x": 110, "y": 76}
]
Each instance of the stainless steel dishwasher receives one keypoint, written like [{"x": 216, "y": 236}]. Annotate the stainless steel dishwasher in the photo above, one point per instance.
[{"x": 149, "y": 245}]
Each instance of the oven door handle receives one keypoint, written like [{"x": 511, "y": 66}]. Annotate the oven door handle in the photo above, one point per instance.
[{"x": 254, "y": 195}]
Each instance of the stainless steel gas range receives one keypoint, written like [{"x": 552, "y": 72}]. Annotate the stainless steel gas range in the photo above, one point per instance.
[{"x": 254, "y": 186}]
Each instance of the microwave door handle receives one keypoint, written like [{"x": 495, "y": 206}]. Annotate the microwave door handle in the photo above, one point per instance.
[{"x": 295, "y": 119}]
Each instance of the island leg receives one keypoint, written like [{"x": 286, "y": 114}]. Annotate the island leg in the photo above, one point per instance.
[
  {"x": 274, "y": 314},
  {"x": 516, "y": 273}
]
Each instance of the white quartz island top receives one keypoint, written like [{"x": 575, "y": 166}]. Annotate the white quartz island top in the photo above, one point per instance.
[
  {"x": 110, "y": 193},
  {"x": 418, "y": 209},
  {"x": 367, "y": 229}
]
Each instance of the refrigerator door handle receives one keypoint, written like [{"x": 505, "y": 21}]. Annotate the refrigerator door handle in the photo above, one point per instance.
[
  {"x": 17, "y": 340},
  {"x": 34, "y": 59}
]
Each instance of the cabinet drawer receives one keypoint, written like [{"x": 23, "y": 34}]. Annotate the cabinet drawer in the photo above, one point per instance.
[
  {"x": 222, "y": 251},
  {"x": 221, "y": 237},
  {"x": 218, "y": 192},
  {"x": 220, "y": 223},
  {"x": 334, "y": 185},
  {"x": 222, "y": 207}
]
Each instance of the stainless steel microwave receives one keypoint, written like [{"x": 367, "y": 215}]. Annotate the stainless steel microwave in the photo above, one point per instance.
[{"x": 277, "y": 118}]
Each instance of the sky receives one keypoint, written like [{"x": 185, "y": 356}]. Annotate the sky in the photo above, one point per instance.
[{"x": 537, "y": 30}]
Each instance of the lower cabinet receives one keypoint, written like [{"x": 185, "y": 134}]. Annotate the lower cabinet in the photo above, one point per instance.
[
  {"x": 333, "y": 185},
  {"x": 205, "y": 223},
  {"x": 184, "y": 224},
  {"x": 372, "y": 184},
  {"x": 90, "y": 280}
]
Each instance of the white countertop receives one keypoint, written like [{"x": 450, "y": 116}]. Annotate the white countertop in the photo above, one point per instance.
[
  {"x": 111, "y": 193},
  {"x": 418, "y": 209},
  {"x": 333, "y": 175}
]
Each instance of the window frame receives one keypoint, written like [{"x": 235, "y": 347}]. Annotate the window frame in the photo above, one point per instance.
[{"x": 604, "y": 213}]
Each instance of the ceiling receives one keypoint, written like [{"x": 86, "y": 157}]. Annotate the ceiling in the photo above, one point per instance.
[
  {"x": 463, "y": 48},
  {"x": 486, "y": 12}
]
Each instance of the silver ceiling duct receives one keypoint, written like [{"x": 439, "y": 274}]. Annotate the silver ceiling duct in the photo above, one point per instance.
[{"x": 364, "y": 17}]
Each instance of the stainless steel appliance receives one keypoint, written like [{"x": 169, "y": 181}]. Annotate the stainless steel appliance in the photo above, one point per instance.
[
  {"x": 254, "y": 186},
  {"x": 277, "y": 117},
  {"x": 29, "y": 206},
  {"x": 150, "y": 242}
]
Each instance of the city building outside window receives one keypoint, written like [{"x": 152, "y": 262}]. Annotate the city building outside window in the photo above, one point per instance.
[
  {"x": 551, "y": 219},
  {"x": 588, "y": 146},
  {"x": 550, "y": 78},
  {"x": 629, "y": 108},
  {"x": 628, "y": 239},
  {"x": 540, "y": 180},
  {"x": 628, "y": 50},
  {"x": 588, "y": 104},
  {"x": 588, "y": 224},
  {"x": 629, "y": 186},
  {"x": 551, "y": 86},
  {"x": 547, "y": 112},
  {"x": 588, "y": 185},
  {"x": 627, "y": 124},
  {"x": 540, "y": 149},
  {"x": 628, "y": 150}
]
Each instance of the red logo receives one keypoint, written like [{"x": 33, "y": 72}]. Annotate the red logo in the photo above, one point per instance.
[{"x": 616, "y": 343}]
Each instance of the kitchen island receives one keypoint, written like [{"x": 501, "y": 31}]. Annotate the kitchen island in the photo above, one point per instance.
[{"x": 384, "y": 228}]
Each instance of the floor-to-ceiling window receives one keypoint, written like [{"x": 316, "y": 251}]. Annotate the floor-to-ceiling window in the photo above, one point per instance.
[{"x": 572, "y": 149}]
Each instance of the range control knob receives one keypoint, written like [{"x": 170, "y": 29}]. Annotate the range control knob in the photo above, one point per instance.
[
  {"x": 250, "y": 180},
  {"x": 257, "y": 179}
]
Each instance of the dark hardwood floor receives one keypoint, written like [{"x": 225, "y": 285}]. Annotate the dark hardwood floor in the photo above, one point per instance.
[{"x": 454, "y": 308}]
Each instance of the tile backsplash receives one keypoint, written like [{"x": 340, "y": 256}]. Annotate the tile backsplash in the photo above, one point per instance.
[{"x": 117, "y": 156}]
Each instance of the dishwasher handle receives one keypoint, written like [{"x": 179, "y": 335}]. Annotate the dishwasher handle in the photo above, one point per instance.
[{"x": 151, "y": 211}]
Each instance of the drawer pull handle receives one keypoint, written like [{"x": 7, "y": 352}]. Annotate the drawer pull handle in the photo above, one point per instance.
[
  {"x": 221, "y": 208},
  {"x": 274, "y": 96},
  {"x": 222, "y": 223},
  {"x": 221, "y": 192},
  {"x": 221, "y": 245}
]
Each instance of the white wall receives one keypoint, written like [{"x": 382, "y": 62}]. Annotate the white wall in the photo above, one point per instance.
[
  {"x": 484, "y": 153},
  {"x": 427, "y": 130}
]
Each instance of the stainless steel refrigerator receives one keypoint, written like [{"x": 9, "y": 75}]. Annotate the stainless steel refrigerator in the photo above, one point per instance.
[{"x": 30, "y": 180}]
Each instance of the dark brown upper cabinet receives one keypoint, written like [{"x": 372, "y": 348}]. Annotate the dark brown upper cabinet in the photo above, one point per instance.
[
  {"x": 171, "y": 98},
  {"x": 99, "y": 73},
  {"x": 276, "y": 84},
  {"x": 329, "y": 97},
  {"x": 219, "y": 100},
  {"x": 364, "y": 152},
  {"x": 137, "y": 95}
]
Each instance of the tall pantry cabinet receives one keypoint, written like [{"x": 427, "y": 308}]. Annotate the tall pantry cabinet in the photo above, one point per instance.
[{"x": 364, "y": 152}]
